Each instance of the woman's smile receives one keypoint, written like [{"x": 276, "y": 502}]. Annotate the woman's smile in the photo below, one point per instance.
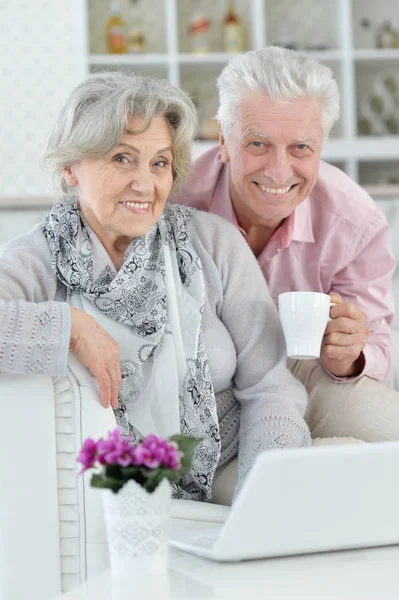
[{"x": 139, "y": 208}]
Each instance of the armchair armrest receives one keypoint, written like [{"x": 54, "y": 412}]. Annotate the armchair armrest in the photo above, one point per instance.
[{"x": 29, "y": 530}]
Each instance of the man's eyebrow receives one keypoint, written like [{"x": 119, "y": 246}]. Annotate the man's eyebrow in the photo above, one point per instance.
[
  {"x": 168, "y": 149},
  {"x": 305, "y": 139},
  {"x": 267, "y": 138},
  {"x": 258, "y": 134}
]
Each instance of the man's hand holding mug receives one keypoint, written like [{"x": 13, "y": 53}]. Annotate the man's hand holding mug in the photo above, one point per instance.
[
  {"x": 345, "y": 337},
  {"x": 318, "y": 325}
]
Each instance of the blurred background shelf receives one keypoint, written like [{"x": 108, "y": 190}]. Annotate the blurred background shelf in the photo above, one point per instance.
[
  {"x": 376, "y": 54},
  {"x": 128, "y": 59},
  {"x": 332, "y": 32},
  {"x": 50, "y": 47}
]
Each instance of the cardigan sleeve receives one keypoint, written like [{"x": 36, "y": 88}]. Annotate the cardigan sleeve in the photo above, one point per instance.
[
  {"x": 34, "y": 327},
  {"x": 272, "y": 400}
]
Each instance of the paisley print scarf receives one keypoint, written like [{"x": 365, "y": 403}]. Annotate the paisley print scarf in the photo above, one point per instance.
[{"x": 153, "y": 308}]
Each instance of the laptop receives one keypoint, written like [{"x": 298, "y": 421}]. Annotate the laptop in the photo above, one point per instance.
[{"x": 301, "y": 501}]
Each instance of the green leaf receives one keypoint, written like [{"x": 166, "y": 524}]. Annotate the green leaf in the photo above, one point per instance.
[
  {"x": 101, "y": 481},
  {"x": 130, "y": 472},
  {"x": 113, "y": 471},
  {"x": 186, "y": 445}
]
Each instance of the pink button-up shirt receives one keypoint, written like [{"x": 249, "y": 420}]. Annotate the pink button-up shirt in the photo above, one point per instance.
[{"x": 336, "y": 240}]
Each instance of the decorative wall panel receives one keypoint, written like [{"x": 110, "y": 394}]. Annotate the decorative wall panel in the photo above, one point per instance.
[{"x": 40, "y": 62}]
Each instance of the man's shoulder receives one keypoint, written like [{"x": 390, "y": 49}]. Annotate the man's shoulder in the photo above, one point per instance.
[
  {"x": 340, "y": 197},
  {"x": 197, "y": 190}
]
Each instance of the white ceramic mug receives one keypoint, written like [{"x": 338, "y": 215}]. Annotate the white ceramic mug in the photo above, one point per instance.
[{"x": 304, "y": 317}]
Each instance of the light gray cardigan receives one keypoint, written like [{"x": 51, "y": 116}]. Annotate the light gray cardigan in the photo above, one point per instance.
[{"x": 260, "y": 404}]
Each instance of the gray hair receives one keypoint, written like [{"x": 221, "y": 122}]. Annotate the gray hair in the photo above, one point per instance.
[
  {"x": 96, "y": 114},
  {"x": 283, "y": 75}
]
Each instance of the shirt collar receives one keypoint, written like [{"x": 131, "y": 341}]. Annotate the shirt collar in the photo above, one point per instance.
[
  {"x": 302, "y": 229},
  {"x": 297, "y": 226}
]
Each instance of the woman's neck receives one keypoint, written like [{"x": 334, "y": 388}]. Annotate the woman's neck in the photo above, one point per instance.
[
  {"x": 114, "y": 245},
  {"x": 116, "y": 249}
]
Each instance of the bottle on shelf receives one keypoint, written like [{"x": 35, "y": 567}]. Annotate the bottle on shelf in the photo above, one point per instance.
[
  {"x": 115, "y": 30},
  {"x": 199, "y": 31},
  {"x": 387, "y": 36},
  {"x": 136, "y": 41},
  {"x": 233, "y": 31},
  {"x": 208, "y": 128},
  {"x": 392, "y": 125}
]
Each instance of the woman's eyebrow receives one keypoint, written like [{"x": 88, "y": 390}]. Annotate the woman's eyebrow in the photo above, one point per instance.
[{"x": 168, "y": 149}]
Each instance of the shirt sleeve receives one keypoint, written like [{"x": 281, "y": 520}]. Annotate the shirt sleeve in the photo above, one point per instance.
[
  {"x": 367, "y": 282},
  {"x": 272, "y": 400},
  {"x": 34, "y": 328}
]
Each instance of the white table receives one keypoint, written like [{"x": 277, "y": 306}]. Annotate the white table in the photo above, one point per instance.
[{"x": 359, "y": 574}]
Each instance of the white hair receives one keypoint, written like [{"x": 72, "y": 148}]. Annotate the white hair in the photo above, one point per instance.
[
  {"x": 283, "y": 75},
  {"x": 96, "y": 114}
]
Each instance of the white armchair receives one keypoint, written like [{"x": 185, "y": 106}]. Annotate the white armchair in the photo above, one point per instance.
[
  {"x": 51, "y": 526},
  {"x": 52, "y": 532}
]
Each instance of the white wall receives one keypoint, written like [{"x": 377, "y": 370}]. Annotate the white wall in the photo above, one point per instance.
[{"x": 40, "y": 62}]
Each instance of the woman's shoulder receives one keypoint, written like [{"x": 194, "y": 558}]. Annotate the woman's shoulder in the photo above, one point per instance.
[
  {"x": 216, "y": 232},
  {"x": 25, "y": 267},
  {"x": 209, "y": 221},
  {"x": 31, "y": 244},
  {"x": 221, "y": 246}
]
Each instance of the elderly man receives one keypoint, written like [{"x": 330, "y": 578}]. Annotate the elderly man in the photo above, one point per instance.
[{"x": 311, "y": 228}]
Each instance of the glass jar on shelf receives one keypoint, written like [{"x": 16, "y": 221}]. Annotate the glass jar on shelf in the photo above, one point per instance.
[
  {"x": 392, "y": 125},
  {"x": 387, "y": 36},
  {"x": 136, "y": 40},
  {"x": 364, "y": 126}
]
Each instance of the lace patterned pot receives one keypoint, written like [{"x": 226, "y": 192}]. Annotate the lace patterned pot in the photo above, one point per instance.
[{"x": 136, "y": 523}]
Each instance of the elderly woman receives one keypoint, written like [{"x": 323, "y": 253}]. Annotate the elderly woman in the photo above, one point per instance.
[{"x": 166, "y": 306}]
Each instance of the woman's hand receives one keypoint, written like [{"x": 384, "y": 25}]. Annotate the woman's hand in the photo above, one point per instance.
[{"x": 99, "y": 352}]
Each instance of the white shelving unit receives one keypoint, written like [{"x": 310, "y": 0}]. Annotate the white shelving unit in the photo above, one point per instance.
[{"x": 344, "y": 148}]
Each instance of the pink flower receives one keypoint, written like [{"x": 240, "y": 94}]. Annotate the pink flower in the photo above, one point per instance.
[
  {"x": 88, "y": 454},
  {"x": 115, "y": 450},
  {"x": 144, "y": 456},
  {"x": 173, "y": 460},
  {"x": 154, "y": 451},
  {"x": 151, "y": 452},
  {"x": 173, "y": 457}
]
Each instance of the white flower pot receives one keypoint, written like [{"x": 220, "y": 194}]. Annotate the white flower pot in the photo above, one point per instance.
[{"x": 137, "y": 529}]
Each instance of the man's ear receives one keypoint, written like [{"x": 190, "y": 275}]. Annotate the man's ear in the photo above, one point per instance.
[
  {"x": 223, "y": 148},
  {"x": 69, "y": 176}
]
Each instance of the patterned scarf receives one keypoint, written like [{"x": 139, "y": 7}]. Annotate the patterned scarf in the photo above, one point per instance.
[{"x": 156, "y": 303}]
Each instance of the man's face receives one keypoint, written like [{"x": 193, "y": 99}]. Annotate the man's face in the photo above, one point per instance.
[{"x": 274, "y": 154}]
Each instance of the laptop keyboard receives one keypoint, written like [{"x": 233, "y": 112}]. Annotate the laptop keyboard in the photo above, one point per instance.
[{"x": 204, "y": 541}]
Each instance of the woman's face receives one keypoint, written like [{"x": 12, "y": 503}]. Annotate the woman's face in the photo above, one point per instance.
[{"x": 122, "y": 194}]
